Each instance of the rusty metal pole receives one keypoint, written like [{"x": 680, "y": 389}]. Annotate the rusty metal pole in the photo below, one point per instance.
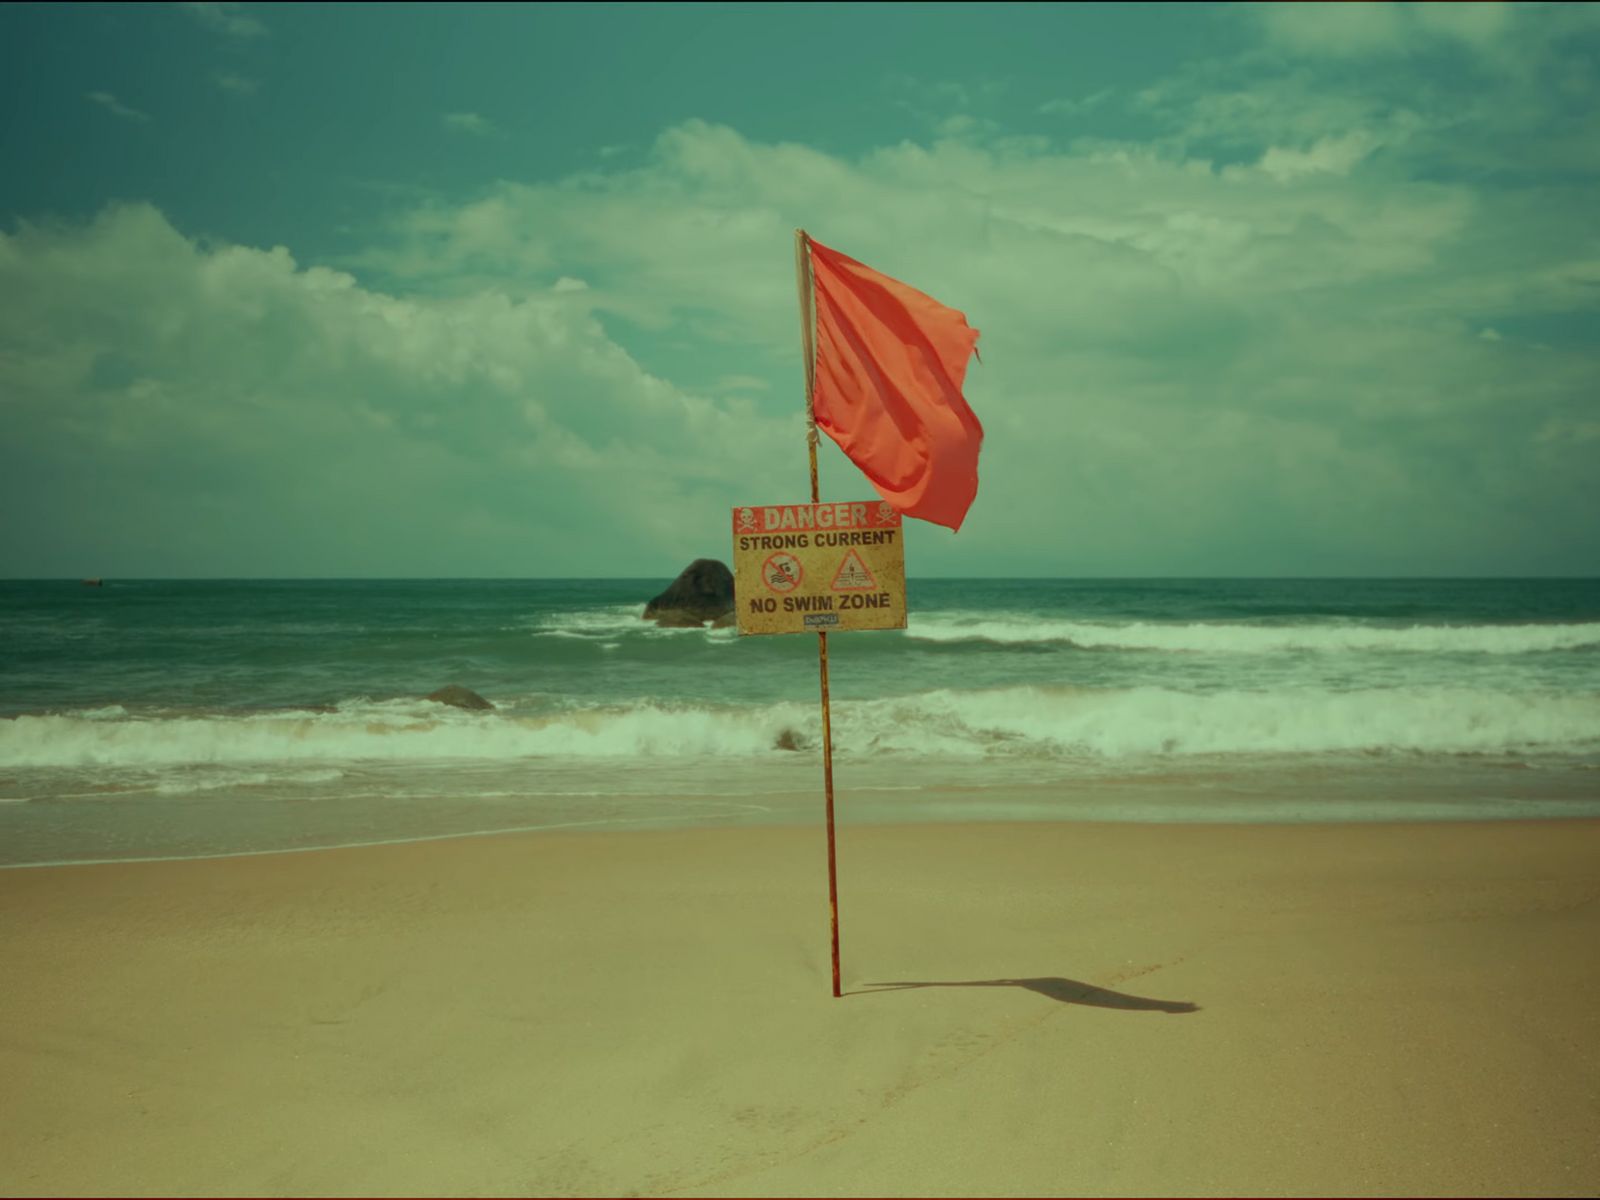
[{"x": 802, "y": 264}]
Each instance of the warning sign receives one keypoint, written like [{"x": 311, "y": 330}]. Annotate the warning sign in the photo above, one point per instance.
[
  {"x": 853, "y": 575},
  {"x": 802, "y": 568}
]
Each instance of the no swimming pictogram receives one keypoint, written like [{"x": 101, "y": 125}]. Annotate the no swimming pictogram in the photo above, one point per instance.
[
  {"x": 853, "y": 575},
  {"x": 782, "y": 572}
]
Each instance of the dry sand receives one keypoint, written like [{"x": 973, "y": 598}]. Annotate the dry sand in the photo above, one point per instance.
[{"x": 1382, "y": 1009}]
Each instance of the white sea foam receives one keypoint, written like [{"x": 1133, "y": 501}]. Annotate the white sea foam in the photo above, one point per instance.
[
  {"x": 598, "y": 624},
  {"x": 210, "y": 780},
  {"x": 1049, "y": 722},
  {"x": 110, "y": 712},
  {"x": 387, "y": 731},
  {"x": 1129, "y": 722},
  {"x": 1225, "y": 638}
]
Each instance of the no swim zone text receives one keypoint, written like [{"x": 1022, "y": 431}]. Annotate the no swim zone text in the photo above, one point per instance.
[{"x": 815, "y": 604}]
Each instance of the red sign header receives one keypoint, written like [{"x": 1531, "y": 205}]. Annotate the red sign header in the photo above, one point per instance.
[{"x": 781, "y": 518}]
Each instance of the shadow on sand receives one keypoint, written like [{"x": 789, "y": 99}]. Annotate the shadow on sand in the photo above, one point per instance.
[{"x": 1067, "y": 991}]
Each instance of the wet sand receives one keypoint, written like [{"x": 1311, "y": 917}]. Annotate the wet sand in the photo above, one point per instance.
[{"x": 1031, "y": 1009}]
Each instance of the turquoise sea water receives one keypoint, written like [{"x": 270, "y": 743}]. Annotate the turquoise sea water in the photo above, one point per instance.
[{"x": 152, "y": 718}]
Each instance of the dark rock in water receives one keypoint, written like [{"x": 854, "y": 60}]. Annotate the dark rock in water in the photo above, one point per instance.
[
  {"x": 788, "y": 739},
  {"x": 727, "y": 620},
  {"x": 460, "y": 697},
  {"x": 703, "y": 592}
]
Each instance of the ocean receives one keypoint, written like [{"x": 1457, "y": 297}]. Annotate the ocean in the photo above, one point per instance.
[{"x": 151, "y": 719}]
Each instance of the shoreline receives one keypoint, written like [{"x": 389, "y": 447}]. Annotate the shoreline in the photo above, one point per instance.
[
  {"x": 1032, "y": 1009},
  {"x": 633, "y": 826},
  {"x": 139, "y": 827}
]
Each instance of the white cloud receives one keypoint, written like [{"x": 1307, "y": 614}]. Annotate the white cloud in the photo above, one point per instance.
[
  {"x": 469, "y": 122},
  {"x": 239, "y": 85},
  {"x": 1294, "y": 331},
  {"x": 111, "y": 104},
  {"x": 1329, "y": 155},
  {"x": 965, "y": 125},
  {"x": 1072, "y": 107},
  {"x": 699, "y": 234},
  {"x": 1165, "y": 344},
  {"x": 1478, "y": 24},
  {"x": 233, "y": 20},
  {"x": 1334, "y": 29},
  {"x": 945, "y": 108},
  {"x": 1499, "y": 36},
  {"x": 1273, "y": 367},
  {"x": 1227, "y": 107},
  {"x": 226, "y": 406},
  {"x": 742, "y": 383},
  {"x": 1511, "y": 92}
]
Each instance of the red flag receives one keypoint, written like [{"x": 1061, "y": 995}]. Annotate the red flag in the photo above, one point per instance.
[{"x": 890, "y": 363}]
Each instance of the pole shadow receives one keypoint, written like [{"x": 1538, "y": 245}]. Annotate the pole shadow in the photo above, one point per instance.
[{"x": 1066, "y": 991}]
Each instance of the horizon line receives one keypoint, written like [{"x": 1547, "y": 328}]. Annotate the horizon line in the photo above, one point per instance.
[{"x": 82, "y": 579}]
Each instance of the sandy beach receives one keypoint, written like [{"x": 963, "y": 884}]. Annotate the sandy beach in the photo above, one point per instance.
[{"x": 1031, "y": 1009}]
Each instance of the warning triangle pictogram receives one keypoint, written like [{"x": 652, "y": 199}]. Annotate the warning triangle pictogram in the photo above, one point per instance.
[{"x": 853, "y": 575}]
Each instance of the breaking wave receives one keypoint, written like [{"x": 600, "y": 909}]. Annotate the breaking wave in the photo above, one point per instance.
[
  {"x": 1029, "y": 721},
  {"x": 1221, "y": 638}
]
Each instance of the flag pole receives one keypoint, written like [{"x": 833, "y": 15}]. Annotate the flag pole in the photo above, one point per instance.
[{"x": 808, "y": 320}]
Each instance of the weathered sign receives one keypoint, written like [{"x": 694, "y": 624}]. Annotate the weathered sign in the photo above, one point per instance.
[{"x": 819, "y": 568}]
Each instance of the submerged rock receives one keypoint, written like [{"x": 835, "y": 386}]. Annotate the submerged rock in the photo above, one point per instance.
[
  {"x": 459, "y": 697},
  {"x": 702, "y": 592},
  {"x": 789, "y": 739}
]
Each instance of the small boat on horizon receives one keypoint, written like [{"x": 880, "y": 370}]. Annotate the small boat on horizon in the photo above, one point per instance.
[{"x": 94, "y": 583}]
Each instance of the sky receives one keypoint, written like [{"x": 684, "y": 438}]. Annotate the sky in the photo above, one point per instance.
[{"x": 508, "y": 290}]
